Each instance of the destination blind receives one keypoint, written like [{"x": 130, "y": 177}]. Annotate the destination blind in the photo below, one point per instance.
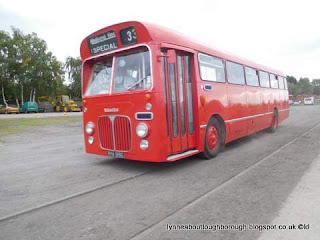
[{"x": 103, "y": 43}]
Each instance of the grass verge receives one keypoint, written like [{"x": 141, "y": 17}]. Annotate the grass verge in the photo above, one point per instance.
[{"x": 19, "y": 125}]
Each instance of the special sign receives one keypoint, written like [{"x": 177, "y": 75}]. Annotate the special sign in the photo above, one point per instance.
[{"x": 102, "y": 43}]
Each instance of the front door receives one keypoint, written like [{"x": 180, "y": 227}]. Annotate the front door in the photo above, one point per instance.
[{"x": 179, "y": 86}]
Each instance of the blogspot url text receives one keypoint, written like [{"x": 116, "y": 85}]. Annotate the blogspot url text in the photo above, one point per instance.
[{"x": 237, "y": 227}]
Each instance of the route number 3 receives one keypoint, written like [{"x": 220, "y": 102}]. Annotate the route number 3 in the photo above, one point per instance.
[
  {"x": 131, "y": 35},
  {"x": 128, "y": 36}
]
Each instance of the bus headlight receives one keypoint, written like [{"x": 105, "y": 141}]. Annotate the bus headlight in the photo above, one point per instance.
[
  {"x": 144, "y": 144},
  {"x": 89, "y": 127},
  {"x": 148, "y": 106},
  {"x": 90, "y": 140},
  {"x": 142, "y": 130}
]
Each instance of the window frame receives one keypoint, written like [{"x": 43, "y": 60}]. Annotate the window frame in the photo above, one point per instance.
[
  {"x": 283, "y": 86},
  {"x": 174, "y": 110},
  {"x": 223, "y": 63},
  {"x": 90, "y": 80},
  {"x": 276, "y": 78},
  {"x": 129, "y": 53},
  {"x": 89, "y": 63},
  {"x": 268, "y": 79},
  {"x": 244, "y": 77},
  {"x": 182, "y": 97},
  {"x": 257, "y": 71},
  {"x": 189, "y": 76},
  {"x": 285, "y": 83}
]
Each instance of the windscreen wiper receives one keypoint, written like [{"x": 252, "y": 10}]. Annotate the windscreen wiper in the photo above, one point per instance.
[{"x": 139, "y": 81}]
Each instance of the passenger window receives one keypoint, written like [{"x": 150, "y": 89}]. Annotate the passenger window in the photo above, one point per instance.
[
  {"x": 235, "y": 73},
  {"x": 281, "y": 82},
  {"x": 211, "y": 68},
  {"x": 189, "y": 94},
  {"x": 164, "y": 64},
  {"x": 273, "y": 81},
  {"x": 252, "y": 77},
  {"x": 285, "y": 83},
  {"x": 181, "y": 94},
  {"x": 264, "y": 79},
  {"x": 173, "y": 99}
]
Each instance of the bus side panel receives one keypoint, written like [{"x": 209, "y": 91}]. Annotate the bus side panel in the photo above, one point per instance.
[
  {"x": 281, "y": 105},
  {"x": 274, "y": 98},
  {"x": 216, "y": 101},
  {"x": 282, "y": 99},
  {"x": 265, "y": 120},
  {"x": 254, "y": 108},
  {"x": 237, "y": 109},
  {"x": 284, "y": 114}
]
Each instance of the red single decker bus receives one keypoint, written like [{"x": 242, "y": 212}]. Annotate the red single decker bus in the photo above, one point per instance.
[{"x": 151, "y": 94}]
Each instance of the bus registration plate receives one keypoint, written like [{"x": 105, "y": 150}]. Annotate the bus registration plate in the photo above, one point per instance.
[{"x": 115, "y": 154}]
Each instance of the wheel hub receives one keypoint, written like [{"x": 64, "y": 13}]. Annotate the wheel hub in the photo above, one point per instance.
[{"x": 212, "y": 137}]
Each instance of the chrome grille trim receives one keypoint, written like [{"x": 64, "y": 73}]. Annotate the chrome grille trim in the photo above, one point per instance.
[{"x": 112, "y": 118}]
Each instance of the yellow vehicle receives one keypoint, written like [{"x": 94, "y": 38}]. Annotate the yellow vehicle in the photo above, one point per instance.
[
  {"x": 9, "y": 109},
  {"x": 46, "y": 104},
  {"x": 64, "y": 104}
]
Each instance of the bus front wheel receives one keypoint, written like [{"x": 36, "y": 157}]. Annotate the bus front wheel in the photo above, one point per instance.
[{"x": 213, "y": 139}]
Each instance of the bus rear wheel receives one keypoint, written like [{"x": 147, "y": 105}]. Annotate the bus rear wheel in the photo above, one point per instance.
[
  {"x": 213, "y": 139},
  {"x": 274, "y": 122}
]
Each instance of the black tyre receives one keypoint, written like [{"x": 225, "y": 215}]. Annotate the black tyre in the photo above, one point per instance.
[
  {"x": 213, "y": 141},
  {"x": 274, "y": 122}
]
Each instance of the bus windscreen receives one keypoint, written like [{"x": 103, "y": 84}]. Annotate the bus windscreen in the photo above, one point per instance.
[{"x": 132, "y": 72}]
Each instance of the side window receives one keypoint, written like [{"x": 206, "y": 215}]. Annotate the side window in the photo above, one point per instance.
[
  {"x": 164, "y": 64},
  {"x": 252, "y": 77},
  {"x": 264, "y": 79},
  {"x": 281, "y": 82},
  {"x": 181, "y": 94},
  {"x": 189, "y": 94},
  {"x": 285, "y": 83},
  {"x": 273, "y": 81},
  {"x": 235, "y": 73},
  {"x": 211, "y": 68},
  {"x": 173, "y": 99}
]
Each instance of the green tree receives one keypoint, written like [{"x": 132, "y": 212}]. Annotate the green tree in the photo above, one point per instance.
[
  {"x": 28, "y": 67},
  {"x": 73, "y": 69},
  {"x": 316, "y": 86},
  {"x": 305, "y": 86},
  {"x": 4, "y": 64},
  {"x": 292, "y": 79},
  {"x": 293, "y": 89}
]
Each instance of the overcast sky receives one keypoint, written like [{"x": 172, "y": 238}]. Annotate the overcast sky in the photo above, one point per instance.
[{"x": 280, "y": 34}]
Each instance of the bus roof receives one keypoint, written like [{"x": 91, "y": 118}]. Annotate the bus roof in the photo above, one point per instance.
[{"x": 147, "y": 32}]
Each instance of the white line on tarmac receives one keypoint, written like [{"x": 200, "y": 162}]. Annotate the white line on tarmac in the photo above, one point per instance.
[
  {"x": 28, "y": 210},
  {"x": 149, "y": 229}
]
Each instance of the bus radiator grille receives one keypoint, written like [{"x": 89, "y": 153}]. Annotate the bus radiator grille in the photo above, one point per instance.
[
  {"x": 105, "y": 133},
  {"x": 122, "y": 132},
  {"x": 115, "y": 133}
]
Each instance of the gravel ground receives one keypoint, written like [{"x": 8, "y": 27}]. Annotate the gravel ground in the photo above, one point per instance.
[
  {"x": 39, "y": 115},
  {"x": 51, "y": 189}
]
